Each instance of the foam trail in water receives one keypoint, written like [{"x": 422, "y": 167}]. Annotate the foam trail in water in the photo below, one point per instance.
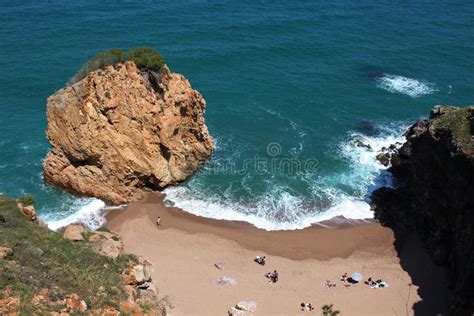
[
  {"x": 409, "y": 86},
  {"x": 90, "y": 215}
]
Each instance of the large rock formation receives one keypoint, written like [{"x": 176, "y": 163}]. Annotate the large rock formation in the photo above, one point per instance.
[
  {"x": 119, "y": 132},
  {"x": 434, "y": 172}
]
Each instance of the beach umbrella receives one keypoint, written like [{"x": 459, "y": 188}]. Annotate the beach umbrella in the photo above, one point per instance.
[{"x": 356, "y": 277}]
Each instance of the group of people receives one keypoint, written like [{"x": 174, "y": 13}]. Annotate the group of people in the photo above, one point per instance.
[
  {"x": 260, "y": 260},
  {"x": 376, "y": 284},
  {"x": 272, "y": 276},
  {"x": 307, "y": 307}
]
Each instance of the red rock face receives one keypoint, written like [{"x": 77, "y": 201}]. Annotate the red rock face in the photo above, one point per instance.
[{"x": 114, "y": 135}]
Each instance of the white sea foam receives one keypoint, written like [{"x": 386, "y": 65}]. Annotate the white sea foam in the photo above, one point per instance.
[
  {"x": 91, "y": 214},
  {"x": 409, "y": 86},
  {"x": 349, "y": 207}
]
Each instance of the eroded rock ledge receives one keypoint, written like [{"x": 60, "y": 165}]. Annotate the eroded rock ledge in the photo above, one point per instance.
[
  {"x": 434, "y": 172},
  {"x": 120, "y": 132}
]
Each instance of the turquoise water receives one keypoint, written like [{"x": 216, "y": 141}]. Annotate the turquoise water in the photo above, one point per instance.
[{"x": 284, "y": 81}]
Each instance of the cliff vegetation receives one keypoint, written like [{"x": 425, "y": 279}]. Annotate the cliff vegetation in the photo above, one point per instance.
[
  {"x": 43, "y": 272},
  {"x": 144, "y": 57}
]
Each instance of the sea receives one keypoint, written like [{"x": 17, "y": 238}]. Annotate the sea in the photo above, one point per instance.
[{"x": 290, "y": 87}]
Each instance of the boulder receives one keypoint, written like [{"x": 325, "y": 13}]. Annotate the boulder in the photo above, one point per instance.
[
  {"x": 107, "y": 244},
  {"x": 383, "y": 158},
  {"x": 38, "y": 300},
  {"x": 168, "y": 203},
  {"x": 9, "y": 305},
  {"x": 116, "y": 135},
  {"x": 29, "y": 212},
  {"x": 245, "y": 307},
  {"x": 138, "y": 274},
  {"x": 74, "y": 302},
  {"x": 360, "y": 143},
  {"x": 142, "y": 272},
  {"x": 5, "y": 252},
  {"x": 129, "y": 307},
  {"x": 74, "y": 232}
]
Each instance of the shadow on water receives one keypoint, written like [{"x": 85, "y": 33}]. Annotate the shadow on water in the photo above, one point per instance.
[
  {"x": 430, "y": 278},
  {"x": 370, "y": 72},
  {"x": 367, "y": 127}
]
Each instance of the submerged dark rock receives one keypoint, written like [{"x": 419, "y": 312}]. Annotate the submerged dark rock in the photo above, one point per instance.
[{"x": 434, "y": 173}]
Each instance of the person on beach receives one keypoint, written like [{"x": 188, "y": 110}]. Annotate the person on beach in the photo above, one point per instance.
[
  {"x": 307, "y": 307},
  {"x": 260, "y": 260},
  {"x": 344, "y": 277},
  {"x": 273, "y": 276},
  {"x": 329, "y": 284},
  {"x": 158, "y": 221}
]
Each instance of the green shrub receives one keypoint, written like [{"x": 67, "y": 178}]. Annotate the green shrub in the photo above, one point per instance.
[
  {"x": 100, "y": 60},
  {"x": 328, "y": 311},
  {"x": 27, "y": 200},
  {"x": 145, "y": 58}
]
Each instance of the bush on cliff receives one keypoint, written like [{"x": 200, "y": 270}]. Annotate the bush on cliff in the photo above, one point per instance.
[
  {"x": 43, "y": 259},
  {"x": 145, "y": 58},
  {"x": 27, "y": 200}
]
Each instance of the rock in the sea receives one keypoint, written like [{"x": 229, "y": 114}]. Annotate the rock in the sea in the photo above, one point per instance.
[
  {"x": 114, "y": 135},
  {"x": 361, "y": 143},
  {"x": 384, "y": 158},
  {"x": 168, "y": 203},
  {"x": 226, "y": 281},
  {"x": 74, "y": 232},
  {"x": 5, "y": 252},
  {"x": 245, "y": 307}
]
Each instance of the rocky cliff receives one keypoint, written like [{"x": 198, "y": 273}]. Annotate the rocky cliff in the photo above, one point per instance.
[
  {"x": 120, "y": 132},
  {"x": 434, "y": 172}
]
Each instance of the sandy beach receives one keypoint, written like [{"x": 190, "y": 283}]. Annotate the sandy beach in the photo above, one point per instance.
[{"x": 185, "y": 248}]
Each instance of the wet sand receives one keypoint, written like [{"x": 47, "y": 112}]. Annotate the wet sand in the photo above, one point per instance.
[{"x": 185, "y": 248}]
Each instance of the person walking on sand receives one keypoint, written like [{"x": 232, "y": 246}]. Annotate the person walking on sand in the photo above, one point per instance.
[{"x": 158, "y": 221}]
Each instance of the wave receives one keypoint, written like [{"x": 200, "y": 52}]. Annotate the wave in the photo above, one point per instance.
[
  {"x": 90, "y": 213},
  {"x": 347, "y": 206},
  {"x": 409, "y": 86},
  {"x": 281, "y": 209}
]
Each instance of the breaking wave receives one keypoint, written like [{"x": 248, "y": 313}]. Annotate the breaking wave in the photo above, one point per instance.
[
  {"x": 281, "y": 209},
  {"x": 88, "y": 212},
  {"x": 409, "y": 86}
]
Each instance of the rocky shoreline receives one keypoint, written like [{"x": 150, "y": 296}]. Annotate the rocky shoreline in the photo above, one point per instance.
[
  {"x": 77, "y": 272},
  {"x": 434, "y": 196}
]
